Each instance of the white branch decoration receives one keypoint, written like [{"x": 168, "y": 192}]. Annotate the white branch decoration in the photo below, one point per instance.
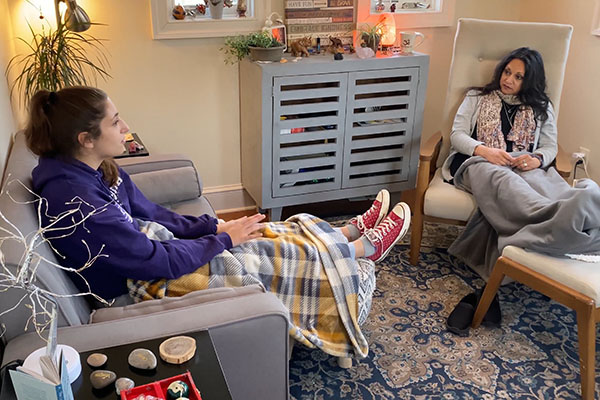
[{"x": 23, "y": 278}]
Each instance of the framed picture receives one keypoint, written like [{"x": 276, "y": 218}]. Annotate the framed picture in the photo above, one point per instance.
[{"x": 279, "y": 33}]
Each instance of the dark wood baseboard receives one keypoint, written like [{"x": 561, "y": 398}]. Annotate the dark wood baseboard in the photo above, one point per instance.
[
  {"x": 324, "y": 209},
  {"x": 229, "y": 215}
]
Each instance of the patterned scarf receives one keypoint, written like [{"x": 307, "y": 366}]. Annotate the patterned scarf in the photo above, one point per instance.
[{"x": 489, "y": 123}]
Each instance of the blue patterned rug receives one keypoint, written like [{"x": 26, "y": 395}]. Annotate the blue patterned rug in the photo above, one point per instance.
[{"x": 533, "y": 355}]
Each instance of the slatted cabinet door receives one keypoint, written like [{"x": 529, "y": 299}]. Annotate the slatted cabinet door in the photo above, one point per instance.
[
  {"x": 379, "y": 125},
  {"x": 308, "y": 133}
]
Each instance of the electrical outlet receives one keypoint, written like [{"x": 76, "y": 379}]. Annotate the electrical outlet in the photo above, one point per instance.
[{"x": 585, "y": 152}]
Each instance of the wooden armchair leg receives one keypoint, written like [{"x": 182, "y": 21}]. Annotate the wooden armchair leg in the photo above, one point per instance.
[
  {"x": 491, "y": 288},
  {"x": 416, "y": 234},
  {"x": 586, "y": 330}
]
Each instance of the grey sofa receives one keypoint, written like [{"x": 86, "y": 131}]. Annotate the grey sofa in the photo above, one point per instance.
[{"x": 248, "y": 326}]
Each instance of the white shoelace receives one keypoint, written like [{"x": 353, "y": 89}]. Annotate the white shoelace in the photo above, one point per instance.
[
  {"x": 382, "y": 230},
  {"x": 360, "y": 223}
]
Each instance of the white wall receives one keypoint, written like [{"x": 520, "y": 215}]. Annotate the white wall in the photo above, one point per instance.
[
  {"x": 7, "y": 124},
  {"x": 578, "y": 123},
  {"x": 177, "y": 94},
  {"x": 181, "y": 97}
]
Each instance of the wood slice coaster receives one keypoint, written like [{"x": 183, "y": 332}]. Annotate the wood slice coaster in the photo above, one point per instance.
[{"x": 178, "y": 349}]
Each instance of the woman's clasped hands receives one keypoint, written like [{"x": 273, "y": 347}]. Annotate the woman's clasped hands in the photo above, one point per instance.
[
  {"x": 524, "y": 162},
  {"x": 242, "y": 229}
]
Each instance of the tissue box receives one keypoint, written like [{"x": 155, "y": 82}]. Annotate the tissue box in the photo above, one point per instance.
[{"x": 159, "y": 388}]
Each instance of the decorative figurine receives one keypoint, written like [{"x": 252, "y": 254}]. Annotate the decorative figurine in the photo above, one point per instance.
[
  {"x": 241, "y": 8},
  {"x": 335, "y": 45},
  {"x": 379, "y": 7},
  {"x": 177, "y": 390},
  {"x": 178, "y": 12},
  {"x": 299, "y": 47},
  {"x": 201, "y": 9},
  {"x": 393, "y": 7}
]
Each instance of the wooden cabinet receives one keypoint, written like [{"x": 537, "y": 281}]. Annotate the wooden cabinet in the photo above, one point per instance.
[{"x": 320, "y": 129}]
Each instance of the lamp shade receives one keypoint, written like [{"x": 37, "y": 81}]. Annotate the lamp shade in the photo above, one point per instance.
[
  {"x": 76, "y": 19},
  {"x": 388, "y": 29}
]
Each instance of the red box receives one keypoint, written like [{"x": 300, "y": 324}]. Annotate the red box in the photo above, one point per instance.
[{"x": 159, "y": 388}]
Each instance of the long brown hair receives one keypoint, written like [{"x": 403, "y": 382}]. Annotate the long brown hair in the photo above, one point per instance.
[{"x": 57, "y": 118}]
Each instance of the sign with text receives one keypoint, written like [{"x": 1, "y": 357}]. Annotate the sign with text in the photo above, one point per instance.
[{"x": 320, "y": 19}]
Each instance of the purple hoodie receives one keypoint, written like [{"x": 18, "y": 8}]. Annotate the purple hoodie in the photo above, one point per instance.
[{"x": 130, "y": 254}]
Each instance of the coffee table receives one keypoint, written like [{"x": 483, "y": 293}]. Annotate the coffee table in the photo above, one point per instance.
[{"x": 205, "y": 368}]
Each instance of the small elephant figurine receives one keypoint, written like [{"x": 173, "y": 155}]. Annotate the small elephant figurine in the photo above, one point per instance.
[
  {"x": 299, "y": 48},
  {"x": 335, "y": 45}
]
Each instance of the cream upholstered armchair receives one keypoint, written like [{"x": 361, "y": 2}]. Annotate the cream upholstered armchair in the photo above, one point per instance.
[{"x": 479, "y": 46}]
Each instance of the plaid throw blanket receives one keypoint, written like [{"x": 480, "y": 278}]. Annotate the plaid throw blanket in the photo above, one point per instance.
[{"x": 303, "y": 261}]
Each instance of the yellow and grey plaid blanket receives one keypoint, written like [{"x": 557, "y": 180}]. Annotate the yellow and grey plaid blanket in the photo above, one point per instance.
[{"x": 303, "y": 261}]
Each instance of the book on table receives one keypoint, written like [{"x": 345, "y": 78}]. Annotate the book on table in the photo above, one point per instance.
[{"x": 52, "y": 384}]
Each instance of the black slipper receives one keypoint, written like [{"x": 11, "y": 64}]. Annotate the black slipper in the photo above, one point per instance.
[{"x": 459, "y": 320}]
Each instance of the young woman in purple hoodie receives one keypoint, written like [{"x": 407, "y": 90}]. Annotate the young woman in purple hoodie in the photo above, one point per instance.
[{"x": 76, "y": 132}]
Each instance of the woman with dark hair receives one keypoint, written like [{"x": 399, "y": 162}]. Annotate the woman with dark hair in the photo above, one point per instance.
[
  {"x": 504, "y": 139},
  {"x": 512, "y": 113},
  {"x": 123, "y": 243}
]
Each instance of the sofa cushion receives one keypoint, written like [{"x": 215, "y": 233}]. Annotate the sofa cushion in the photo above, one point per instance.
[
  {"x": 153, "y": 173},
  {"x": 197, "y": 206},
  {"x": 581, "y": 276},
  {"x": 181, "y": 183},
  {"x": 443, "y": 200}
]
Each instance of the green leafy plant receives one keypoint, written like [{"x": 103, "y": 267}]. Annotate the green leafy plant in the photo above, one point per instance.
[
  {"x": 238, "y": 47},
  {"x": 370, "y": 35},
  {"x": 57, "y": 58}
]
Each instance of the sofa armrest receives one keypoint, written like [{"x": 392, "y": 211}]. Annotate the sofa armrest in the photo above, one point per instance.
[
  {"x": 250, "y": 334},
  {"x": 173, "y": 303},
  {"x": 164, "y": 178}
]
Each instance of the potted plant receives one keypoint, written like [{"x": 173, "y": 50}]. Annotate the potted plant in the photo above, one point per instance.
[
  {"x": 261, "y": 46},
  {"x": 370, "y": 36},
  {"x": 57, "y": 58}
]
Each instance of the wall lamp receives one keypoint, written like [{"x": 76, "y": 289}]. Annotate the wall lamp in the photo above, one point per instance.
[{"x": 76, "y": 19}]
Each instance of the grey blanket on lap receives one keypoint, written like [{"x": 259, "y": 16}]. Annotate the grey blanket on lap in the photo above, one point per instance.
[{"x": 535, "y": 210}]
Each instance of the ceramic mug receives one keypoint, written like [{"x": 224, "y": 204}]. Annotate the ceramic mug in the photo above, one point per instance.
[{"x": 408, "y": 41}]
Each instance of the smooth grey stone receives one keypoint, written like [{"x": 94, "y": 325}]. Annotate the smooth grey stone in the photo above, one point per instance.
[
  {"x": 123, "y": 384},
  {"x": 102, "y": 378},
  {"x": 142, "y": 359},
  {"x": 96, "y": 360}
]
